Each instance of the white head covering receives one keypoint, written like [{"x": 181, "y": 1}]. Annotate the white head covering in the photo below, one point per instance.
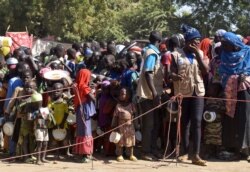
[{"x": 220, "y": 32}]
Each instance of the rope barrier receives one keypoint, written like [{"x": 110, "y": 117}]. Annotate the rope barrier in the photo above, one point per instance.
[
  {"x": 177, "y": 98},
  {"x": 72, "y": 145},
  {"x": 50, "y": 91},
  {"x": 200, "y": 97}
]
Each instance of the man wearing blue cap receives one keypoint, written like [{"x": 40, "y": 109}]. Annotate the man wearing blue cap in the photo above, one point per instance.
[{"x": 187, "y": 70}]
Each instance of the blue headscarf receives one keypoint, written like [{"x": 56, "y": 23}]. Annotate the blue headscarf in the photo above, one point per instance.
[
  {"x": 190, "y": 32},
  {"x": 234, "y": 63}
]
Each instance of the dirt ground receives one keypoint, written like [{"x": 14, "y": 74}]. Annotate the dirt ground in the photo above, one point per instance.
[{"x": 110, "y": 164}]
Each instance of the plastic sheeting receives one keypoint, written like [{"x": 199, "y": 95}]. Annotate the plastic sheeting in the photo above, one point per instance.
[
  {"x": 41, "y": 45},
  {"x": 20, "y": 39}
]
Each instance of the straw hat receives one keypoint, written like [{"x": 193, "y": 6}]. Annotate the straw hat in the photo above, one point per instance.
[
  {"x": 8, "y": 128},
  {"x": 115, "y": 137},
  {"x": 59, "y": 134}
]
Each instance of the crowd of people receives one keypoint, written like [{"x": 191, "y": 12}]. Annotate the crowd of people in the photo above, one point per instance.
[{"x": 69, "y": 97}]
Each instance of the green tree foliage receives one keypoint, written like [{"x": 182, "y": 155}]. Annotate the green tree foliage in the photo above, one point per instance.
[
  {"x": 210, "y": 15},
  {"x": 146, "y": 16},
  {"x": 78, "y": 20}
]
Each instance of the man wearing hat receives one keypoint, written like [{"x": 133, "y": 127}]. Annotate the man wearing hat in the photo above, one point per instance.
[
  {"x": 188, "y": 69},
  {"x": 150, "y": 87}
]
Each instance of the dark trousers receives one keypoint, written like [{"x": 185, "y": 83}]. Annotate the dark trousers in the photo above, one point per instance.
[
  {"x": 192, "y": 111},
  {"x": 150, "y": 126}
]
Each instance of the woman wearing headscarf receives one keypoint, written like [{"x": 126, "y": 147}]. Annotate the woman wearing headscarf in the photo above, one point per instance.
[
  {"x": 188, "y": 68},
  {"x": 206, "y": 47},
  {"x": 85, "y": 109},
  {"x": 235, "y": 73}
]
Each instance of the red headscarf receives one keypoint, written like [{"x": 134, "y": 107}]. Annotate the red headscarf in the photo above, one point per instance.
[
  {"x": 205, "y": 47},
  {"x": 82, "y": 81}
]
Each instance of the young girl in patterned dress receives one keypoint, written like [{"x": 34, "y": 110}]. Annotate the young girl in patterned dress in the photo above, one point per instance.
[{"x": 124, "y": 113}]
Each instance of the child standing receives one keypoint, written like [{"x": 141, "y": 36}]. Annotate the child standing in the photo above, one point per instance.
[
  {"x": 41, "y": 123},
  {"x": 59, "y": 108},
  {"x": 25, "y": 132},
  {"x": 124, "y": 113}
]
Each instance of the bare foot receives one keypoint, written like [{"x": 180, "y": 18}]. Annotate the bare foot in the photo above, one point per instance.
[
  {"x": 45, "y": 161},
  {"x": 69, "y": 155},
  {"x": 183, "y": 158},
  {"x": 39, "y": 163}
]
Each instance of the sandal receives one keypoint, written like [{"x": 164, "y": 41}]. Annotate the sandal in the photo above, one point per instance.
[
  {"x": 199, "y": 162},
  {"x": 133, "y": 158},
  {"x": 120, "y": 158}
]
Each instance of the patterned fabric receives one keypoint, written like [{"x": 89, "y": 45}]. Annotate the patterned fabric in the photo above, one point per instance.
[
  {"x": 244, "y": 83},
  {"x": 214, "y": 75},
  {"x": 235, "y": 62},
  {"x": 190, "y": 32},
  {"x": 20, "y": 39},
  {"x": 123, "y": 114},
  {"x": 213, "y": 130},
  {"x": 231, "y": 93},
  {"x": 235, "y": 83}
]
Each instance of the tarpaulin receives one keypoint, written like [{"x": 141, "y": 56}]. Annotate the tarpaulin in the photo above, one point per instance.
[
  {"x": 43, "y": 45},
  {"x": 20, "y": 39}
]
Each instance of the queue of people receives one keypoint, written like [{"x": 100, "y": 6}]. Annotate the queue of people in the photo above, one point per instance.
[{"x": 66, "y": 98}]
